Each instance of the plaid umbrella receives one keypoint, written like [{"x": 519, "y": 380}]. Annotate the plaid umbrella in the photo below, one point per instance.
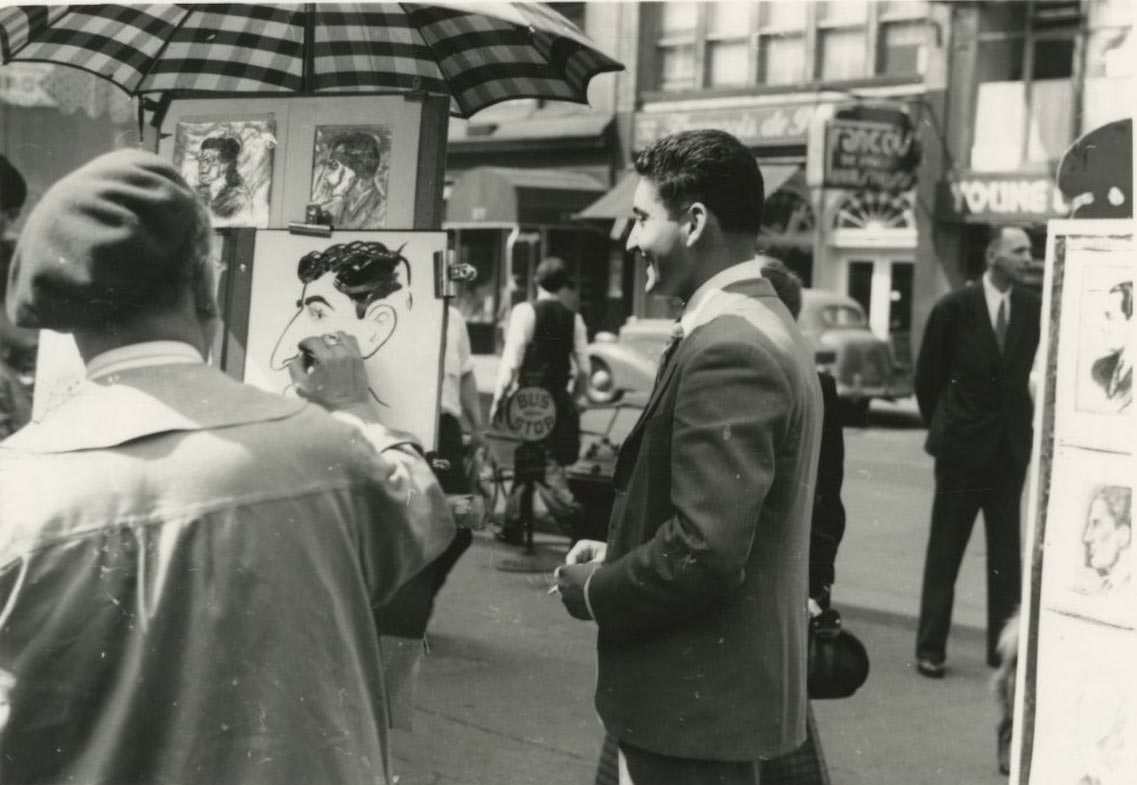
[{"x": 477, "y": 53}]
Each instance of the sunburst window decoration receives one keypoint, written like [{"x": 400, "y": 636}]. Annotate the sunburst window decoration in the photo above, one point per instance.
[{"x": 875, "y": 210}]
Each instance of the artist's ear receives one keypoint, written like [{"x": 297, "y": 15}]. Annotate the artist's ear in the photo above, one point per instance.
[{"x": 697, "y": 217}]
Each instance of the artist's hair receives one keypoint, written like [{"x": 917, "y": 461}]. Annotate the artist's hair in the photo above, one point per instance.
[
  {"x": 364, "y": 271},
  {"x": 551, "y": 275},
  {"x": 13, "y": 188},
  {"x": 228, "y": 148},
  {"x": 1125, "y": 289},
  {"x": 711, "y": 167},
  {"x": 1119, "y": 502},
  {"x": 189, "y": 273},
  {"x": 787, "y": 285},
  {"x": 358, "y": 151}
]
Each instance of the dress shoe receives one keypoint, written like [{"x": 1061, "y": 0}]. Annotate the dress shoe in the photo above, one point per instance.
[{"x": 930, "y": 668}]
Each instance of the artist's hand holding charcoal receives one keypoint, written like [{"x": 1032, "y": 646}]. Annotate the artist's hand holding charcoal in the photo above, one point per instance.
[{"x": 329, "y": 371}]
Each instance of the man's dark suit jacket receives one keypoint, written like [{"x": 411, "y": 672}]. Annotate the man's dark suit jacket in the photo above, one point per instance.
[
  {"x": 970, "y": 396},
  {"x": 701, "y": 601}
]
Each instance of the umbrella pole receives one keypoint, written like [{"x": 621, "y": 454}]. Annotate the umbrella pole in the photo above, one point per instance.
[{"x": 309, "y": 76}]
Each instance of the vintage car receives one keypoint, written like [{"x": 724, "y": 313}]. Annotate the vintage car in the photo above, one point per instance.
[{"x": 836, "y": 326}]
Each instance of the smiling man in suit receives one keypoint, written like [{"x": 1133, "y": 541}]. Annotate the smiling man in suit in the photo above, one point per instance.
[
  {"x": 972, "y": 388},
  {"x": 700, "y": 592}
]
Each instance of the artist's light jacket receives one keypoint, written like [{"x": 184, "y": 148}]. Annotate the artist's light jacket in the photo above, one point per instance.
[{"x": 188, "y": 568}]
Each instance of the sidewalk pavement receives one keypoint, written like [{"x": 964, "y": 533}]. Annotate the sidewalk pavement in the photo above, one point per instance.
[{"x": 506, "y": 695}]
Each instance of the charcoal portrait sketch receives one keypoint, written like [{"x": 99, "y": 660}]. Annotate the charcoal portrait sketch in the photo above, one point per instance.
[
  {"x": 229, "y": 164},
  {"x": 350, "y": 174}
]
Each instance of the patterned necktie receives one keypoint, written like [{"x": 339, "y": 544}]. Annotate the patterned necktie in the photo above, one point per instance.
[
  {"x": 1001, "y": 324},
  {"x": 669, "y": 350}
]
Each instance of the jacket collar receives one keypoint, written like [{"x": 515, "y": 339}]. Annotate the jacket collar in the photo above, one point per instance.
[{"x": 145, "y": 401}]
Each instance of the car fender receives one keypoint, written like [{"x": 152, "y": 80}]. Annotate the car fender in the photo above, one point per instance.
[{"x": 631, "y": 370}]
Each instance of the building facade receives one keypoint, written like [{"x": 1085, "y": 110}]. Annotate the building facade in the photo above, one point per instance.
[{"x": 995, "y": 90}]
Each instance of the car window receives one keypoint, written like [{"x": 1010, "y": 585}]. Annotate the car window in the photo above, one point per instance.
[{"x": 843, "y": 316}]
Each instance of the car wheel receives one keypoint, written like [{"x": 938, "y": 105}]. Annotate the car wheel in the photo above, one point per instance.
[{"x": 601, "y": 384}]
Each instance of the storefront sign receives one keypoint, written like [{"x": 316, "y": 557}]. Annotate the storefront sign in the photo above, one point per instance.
[
  {"x": 22, "y": 84},
  {"x": 872, "y": 154},
  {"x": 757, "y": 125},
  {"x": 1002, "y": 196}
]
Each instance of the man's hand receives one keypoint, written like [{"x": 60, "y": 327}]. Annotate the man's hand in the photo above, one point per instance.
[
  {"x": 329, "y": 371},
  {"x": 587, "y": 552},
  {"x": 570, "y": 583}
]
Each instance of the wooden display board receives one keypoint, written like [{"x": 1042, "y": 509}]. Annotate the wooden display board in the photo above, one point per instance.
[
  {"x": 1076, "y": 693},
  {"x": 376, "y": 165}
]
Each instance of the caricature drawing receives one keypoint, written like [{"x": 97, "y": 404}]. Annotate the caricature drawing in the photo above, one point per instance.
[{"x": 345, "y": 287}]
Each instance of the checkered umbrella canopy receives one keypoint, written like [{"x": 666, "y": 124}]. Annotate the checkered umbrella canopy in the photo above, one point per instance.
[{"x": 477, "y": 53}]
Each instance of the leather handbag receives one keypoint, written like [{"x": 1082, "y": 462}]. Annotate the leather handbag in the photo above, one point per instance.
[{"x": 838, "y": 661}]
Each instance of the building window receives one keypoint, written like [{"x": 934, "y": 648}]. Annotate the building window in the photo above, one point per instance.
[
  {"x": 1032, "y": 57},
  {"x": 1109, "y": 55},
  {"x": 781, "y": 43},
  {"x": 902, "y": 48},
  {"x": 728, "y": 43},
  {"x": 785, "y": 42},
  {"x": 678, "y": 23}
]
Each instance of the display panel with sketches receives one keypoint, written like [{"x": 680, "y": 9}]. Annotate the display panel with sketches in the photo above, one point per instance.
[{"x": 375, "y": 286}]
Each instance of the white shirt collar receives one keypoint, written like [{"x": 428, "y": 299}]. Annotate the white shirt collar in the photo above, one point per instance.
[
  {"x": 994, "y": 297},
  {"x": 544, "y": 295},
  {"x": 141, "y": 355},
  {"x": 743, "y": 271}
]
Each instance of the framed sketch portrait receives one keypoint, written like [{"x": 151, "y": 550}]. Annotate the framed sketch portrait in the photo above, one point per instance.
[
  {"x": 229, "y": 162},
  {"x": 1096, "y": 340},
  {"x": 1089, "y": 550},
  {"x": 375, "y": 286},
  {"x": 351, "y": 173}
]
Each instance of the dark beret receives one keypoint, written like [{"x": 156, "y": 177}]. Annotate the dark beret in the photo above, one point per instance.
[{"x": 100, "y": 240}]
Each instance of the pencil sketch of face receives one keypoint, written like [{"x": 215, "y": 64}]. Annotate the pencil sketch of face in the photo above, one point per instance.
[
  {"x": 1108, "y": 534},
  {"x": 345, "y": 287}
]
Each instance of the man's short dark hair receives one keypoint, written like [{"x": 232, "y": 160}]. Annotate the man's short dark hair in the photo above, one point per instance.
[
  {"x": 787, "y": 285},
  {"x": 13, "y": 188},
  {"x": 551, "y": 274},
  {"x": 711, "y": 167}
]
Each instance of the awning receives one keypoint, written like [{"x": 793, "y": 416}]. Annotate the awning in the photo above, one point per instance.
[
  {"x": 500, "y": 195},
  {"x": 617, "y": 203}
]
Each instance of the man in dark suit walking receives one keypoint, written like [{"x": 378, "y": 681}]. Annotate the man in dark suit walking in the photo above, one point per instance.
[
  {"x": 972, "y": 388},
  {"x": 700, "y": 593}
]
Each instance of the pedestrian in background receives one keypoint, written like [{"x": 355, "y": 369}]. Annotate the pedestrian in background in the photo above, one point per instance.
[
  {"x": 971, "y": 384},
  {"x": 17, "y": 345},
  {"x": 546, "y": 345},
  {"x": 700, "y": 592},
  {"x": 189, "y": 565},
  {"x": 459, "y": 399}
]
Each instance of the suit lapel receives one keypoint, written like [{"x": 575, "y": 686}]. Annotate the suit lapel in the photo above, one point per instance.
[
  {"x": 1017, "y": 323},
  {"x": 631, "y": 446}
]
